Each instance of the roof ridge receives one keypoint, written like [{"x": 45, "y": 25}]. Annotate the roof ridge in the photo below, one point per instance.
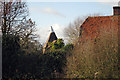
[{"x": 98, "y": 16}]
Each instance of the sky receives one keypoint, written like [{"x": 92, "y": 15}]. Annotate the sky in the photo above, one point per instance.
[{"x": 60, "y": 14}]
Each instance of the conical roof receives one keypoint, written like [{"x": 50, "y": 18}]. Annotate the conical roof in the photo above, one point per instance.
[{"x": 51, "y": 38}]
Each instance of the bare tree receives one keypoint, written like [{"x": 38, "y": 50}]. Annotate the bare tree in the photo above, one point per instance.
[
  {"x": 13, "y": 14},
  {"x": 0, "y": 14},
  {"x": 71, "y": 32},
  {"x": 14, "y": 17},
  {"x": 15, "y": 21}
]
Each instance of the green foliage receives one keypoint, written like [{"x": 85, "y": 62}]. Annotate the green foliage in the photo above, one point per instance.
[
  {"x": 59, "y": 44},
  {"x": 16, "y": 63},
  {"x": 23, "y": 63},
  {"x": 68, "y": 47},
  {"x": 58, "y": 60},
  {"x": 10, "y": 51}
]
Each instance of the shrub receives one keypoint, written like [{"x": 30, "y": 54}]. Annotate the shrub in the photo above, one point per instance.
[{"x": 97, "y": 59}]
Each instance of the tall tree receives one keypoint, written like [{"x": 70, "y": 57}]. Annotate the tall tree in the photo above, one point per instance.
[
  {"x": 18, "y": 35},
  {"x": 13, "y": 14}
]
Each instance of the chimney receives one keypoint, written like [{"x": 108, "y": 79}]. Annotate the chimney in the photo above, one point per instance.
[{"x": 116, "y": 10}]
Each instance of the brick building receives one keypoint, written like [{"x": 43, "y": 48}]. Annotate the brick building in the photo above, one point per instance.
[{"x": 92, "y": 26}]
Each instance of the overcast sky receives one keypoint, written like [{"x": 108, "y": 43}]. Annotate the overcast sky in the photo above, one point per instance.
[{"x": 60, "y": 14}]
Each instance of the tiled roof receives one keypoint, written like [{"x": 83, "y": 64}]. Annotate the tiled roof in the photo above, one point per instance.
[
  {"x": 92, "y": 26},
  {"x": 52, "y": 37}
]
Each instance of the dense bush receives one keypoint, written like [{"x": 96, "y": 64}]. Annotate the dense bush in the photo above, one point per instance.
[
  {"x": 95, "y": 59},
  {"x": 16, "y": 61},
  {"x": 56, "y": 45},
  {"x": 68, "y": 47},
  {"x": 24, "y": 63}
]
